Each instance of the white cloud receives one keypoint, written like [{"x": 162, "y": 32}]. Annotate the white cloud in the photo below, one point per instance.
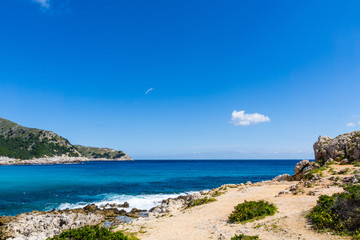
[
  {"x": 43, "y": 3},
  {"x": 149, "y": 90},
  {"x": 246, "y": 119},
  {"x": 353, "y": 124}
]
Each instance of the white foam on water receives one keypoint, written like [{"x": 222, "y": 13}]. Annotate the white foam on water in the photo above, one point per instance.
[{"x": 144, "y": 202}]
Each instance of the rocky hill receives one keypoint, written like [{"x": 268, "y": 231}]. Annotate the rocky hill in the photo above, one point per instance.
[
  {"x": 100, "y": 153},
  {"x": 344, "y": 148},
  {"x": 18, "y": 142}
]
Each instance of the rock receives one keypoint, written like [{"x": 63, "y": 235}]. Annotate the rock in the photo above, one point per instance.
[
  {"x": 345, "y": 146},
  {"x": 6, "y": 219},
  {"x": 300, "y": 166},
  {"x": 124, "y": 205},
  {"x": 311, "y": 193},
  {"x": 174, "y": 204},
  {"x": 282, "y": 192},
  {"x": 284, "y": 177},
  {"x": 343, "y": 171},
  {"x": 293, "y": 188},
  {"x": 299, "y": 171},
  {"x": 248, "y": 183},
  {"x": 344, "y": 161},
  {"x": 109, "y": 213},
  {"x": 91, "y": 208},
  {"x": 355, "y": 179}
]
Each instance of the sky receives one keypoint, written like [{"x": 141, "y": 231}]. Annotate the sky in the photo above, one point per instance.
[{"x": 183, "y": 79}]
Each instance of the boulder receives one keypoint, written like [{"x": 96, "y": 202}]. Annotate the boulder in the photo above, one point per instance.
[
  {"x": 91, "y": 208},
  {"x": 299, "y": 171},
  {"x": 124, "y": 205},
  {"x": 344, "y": 161},
  {"x": 283, "y": 177},
  {"x": 300, "y": 166},
  {"x": 174, "y": 204}
]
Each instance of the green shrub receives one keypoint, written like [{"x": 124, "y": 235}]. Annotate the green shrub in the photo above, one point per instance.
[
  {"x": 339, "y": 213},
  {"x": 244, "y": 237},
  {"x": 92, "y": 233},
  {"x": 217, "y": 193},
  {"x": 252, "y": 210},
  {"x": 200, "y": 201},
  {"x": 313, "y": 172},
  {"x": 356, "y": 163}
]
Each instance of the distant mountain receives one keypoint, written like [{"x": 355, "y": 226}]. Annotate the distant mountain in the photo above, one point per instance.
[{"x": 23, "y": 143}]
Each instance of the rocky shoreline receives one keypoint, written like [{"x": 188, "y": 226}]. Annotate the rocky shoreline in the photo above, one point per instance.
[
  {"x": 45, "y": 224},
  {"x": 57, "y": 160}
]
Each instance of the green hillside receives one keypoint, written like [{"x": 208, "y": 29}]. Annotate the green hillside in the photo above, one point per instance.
[
  {"x": 23, "y": 143},
  {"x": 93, "y": 152}
]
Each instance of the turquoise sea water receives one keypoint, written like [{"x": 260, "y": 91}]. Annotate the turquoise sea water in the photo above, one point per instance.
[{"x": 141, "y": 183}]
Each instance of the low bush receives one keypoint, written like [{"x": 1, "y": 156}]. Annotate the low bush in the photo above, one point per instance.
[
  {"x": 313, "y": 173},
  {"x": 200, "y": 201},
  {"x": 217, "y": 193},
  {"x": 92, "y": 233},
  {"x": 339, "y": 213},
  {"x": 244, "y": 237},
  {"x": 356, "y": 163},
  {"x": 252, "y": 210}
]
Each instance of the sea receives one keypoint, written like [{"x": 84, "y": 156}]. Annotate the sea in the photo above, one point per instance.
[{"x": 141, "y": 183}]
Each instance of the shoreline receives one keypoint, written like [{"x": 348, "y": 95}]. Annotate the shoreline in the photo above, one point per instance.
[{"x": 5, "y": 161}]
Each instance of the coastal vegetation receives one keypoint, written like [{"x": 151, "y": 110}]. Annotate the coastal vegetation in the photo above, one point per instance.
[
  {"x": 96, "y": 153},
  {"x": 92, "y": 233},
  {"x": 217, "y": 193},
  {"x": 200, "y": 201},
  {"x": 252, "y": 210},
  {"x": 33, "y": 147},
  {"x": 339, "y": 213},
  {"x": 245, "y": 237}
]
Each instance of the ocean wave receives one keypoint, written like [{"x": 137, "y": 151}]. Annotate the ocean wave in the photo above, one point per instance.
[{"x": 145, "y": 202}]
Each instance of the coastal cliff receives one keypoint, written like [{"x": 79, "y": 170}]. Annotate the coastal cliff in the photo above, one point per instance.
[
  {"x": 344, "y": 148},
  {"x": 23, "y": 145}
]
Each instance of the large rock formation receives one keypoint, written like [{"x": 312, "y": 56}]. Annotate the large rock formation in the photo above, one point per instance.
[{"x": 344, "y": 148}]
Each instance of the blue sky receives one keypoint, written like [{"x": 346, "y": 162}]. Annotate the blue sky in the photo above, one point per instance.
[{"x": 163, "y": 79}]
